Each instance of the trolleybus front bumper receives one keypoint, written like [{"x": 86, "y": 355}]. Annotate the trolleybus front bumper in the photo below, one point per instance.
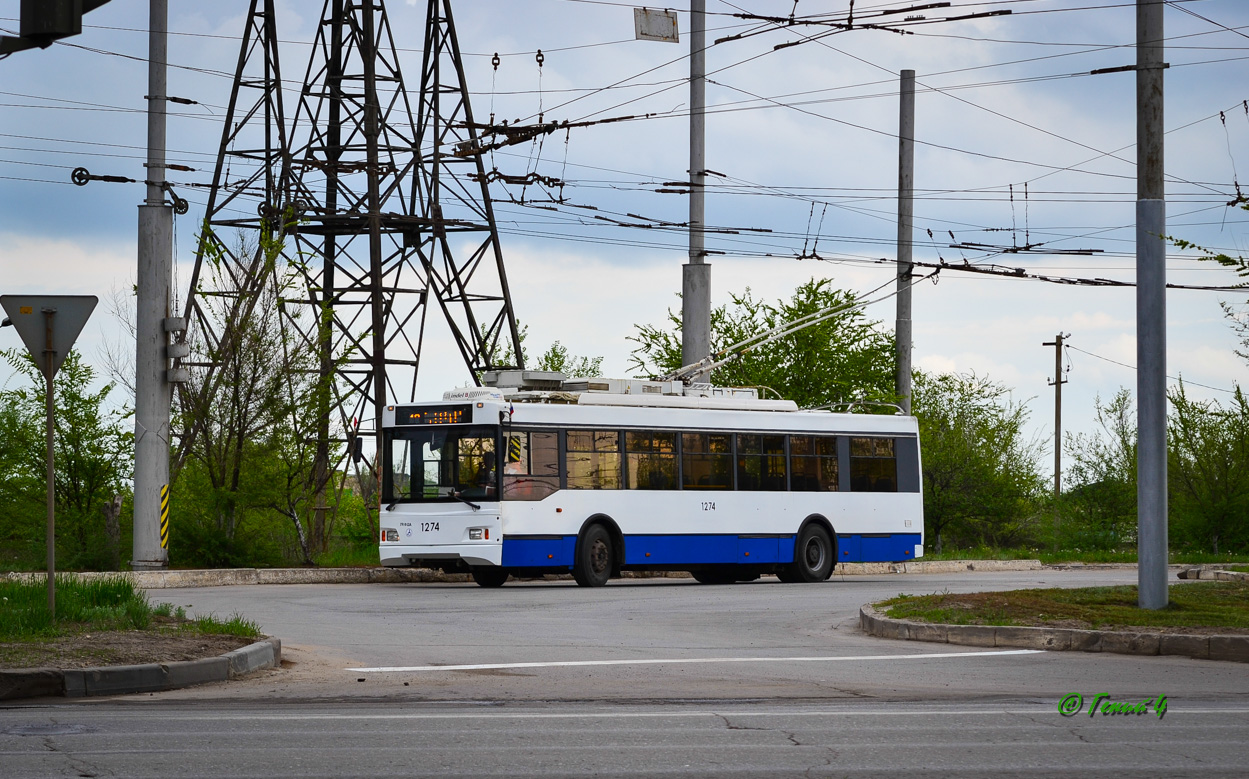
[{"x": 403, "y": 556}]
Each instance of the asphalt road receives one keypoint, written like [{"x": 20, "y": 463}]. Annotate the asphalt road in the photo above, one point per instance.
[{"x": 643, "y": 677}]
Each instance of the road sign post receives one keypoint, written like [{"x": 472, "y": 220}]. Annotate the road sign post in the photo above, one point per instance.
[{"x": 49, "y": 325}]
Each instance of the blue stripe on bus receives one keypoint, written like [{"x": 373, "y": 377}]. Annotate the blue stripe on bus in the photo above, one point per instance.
[
  {"x": 876, "y": 547},
  {"x": 642, "y": 550},
  {"x": 539, "y": 552}
]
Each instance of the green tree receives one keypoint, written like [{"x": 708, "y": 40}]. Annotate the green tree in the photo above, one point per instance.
[
  {"x": 844, "y": 358},
  {"x": 558, "y": 359},
  {"x": 1208, "y": 471},
  {"x": 555, "y": 358},
  {"x": 94, "y": 457},
  {"x": 21, "y": 488},
  {"x": 248, "y": 487},
  {"x": 1098, "y": 509},
  {"x": 981, "y": 479}
]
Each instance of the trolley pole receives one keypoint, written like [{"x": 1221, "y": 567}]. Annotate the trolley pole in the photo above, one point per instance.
[
  {"x": 1057, "y": 384},
  {"x": 906, "y": 221},
  {"x": 152, "y": 390},
  {"x": 696, "y": 274},
  {"x": 1151, "y": 311}
]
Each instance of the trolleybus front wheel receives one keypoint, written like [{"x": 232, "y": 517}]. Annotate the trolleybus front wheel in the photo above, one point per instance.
[
  {"x": 491, "y": 576},
  {"x": 813, "y": 556},
  {"x": 593, "y": 565}
]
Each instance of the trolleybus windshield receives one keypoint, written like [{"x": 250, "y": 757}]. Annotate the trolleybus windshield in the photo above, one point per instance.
[{"x": 440, "y": 463}]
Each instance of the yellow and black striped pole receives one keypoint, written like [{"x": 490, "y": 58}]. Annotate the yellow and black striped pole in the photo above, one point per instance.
[{"x": 164, "y": 517}]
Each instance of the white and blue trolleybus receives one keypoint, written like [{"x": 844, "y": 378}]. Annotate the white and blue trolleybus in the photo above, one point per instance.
[{"x": 541, "y": 474}]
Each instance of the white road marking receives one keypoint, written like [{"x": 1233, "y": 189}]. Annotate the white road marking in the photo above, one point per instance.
[
  {"x": 687, "y": 660},
  {"x": 856, "y": 711}
]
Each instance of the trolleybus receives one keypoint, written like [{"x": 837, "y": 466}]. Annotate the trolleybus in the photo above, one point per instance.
[{"x": 541, "y": 474}]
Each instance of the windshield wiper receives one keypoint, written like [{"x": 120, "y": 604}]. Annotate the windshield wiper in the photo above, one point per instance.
[{"x": 463, "y": 499}]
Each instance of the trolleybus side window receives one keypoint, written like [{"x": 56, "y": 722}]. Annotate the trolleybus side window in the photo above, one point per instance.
[
  {"x": 531, "y": 467},
  {"x": 592, "y": 459},
  {"x": 760, "y": 462},
  {"x": 873, "y": 465},
  {"x": 706, "y": 461},
  {"x": 812, "y": 463},
  {"x": 651, "y": 460}
]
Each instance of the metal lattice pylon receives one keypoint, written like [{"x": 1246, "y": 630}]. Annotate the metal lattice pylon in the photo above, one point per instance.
[
  {"x": 364, "y": 204},
  {"x": 247, "y": 192},
  {"x": 378, "y": 202}
]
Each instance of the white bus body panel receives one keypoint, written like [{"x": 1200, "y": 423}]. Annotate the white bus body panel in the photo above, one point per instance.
[{"x": 755, "y": 527}]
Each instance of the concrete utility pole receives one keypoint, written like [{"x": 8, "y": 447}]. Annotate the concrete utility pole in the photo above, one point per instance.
[
  {"x": 696, "y": 276},
  {"x": 1057, "y": 384},
  {"x": 906, "y": 223},
  {"x": 1151, "y": 311},
  {"x": 152, "y": 322}
]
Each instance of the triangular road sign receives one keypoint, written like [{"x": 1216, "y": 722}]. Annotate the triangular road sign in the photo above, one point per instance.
[{"x": 29, "y": 314}]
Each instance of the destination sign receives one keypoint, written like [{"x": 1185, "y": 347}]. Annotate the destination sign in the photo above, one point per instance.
[{"x": 434, "y": 415}]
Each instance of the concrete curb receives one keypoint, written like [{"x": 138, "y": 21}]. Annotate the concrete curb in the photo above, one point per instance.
[
  {"x": 227, "y": 577},
  {"x": 150, "y": 677},
  {"x": 1229, "y": 648},
  {"x": 1214, "y": 573},
  {"x": 936, "y": 566}
]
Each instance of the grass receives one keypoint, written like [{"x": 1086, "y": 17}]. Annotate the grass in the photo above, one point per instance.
[
  {"x": 1050, "y": 557},
  {"x": 236, "y": 625},
  {"x": 350, "y": 557},
  {"x": 108, "y": 603},
  {"x": 1200, "y": 604}
]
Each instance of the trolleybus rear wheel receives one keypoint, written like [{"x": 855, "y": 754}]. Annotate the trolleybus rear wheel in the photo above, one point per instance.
[
  {"x": 813, "y": 556},
  {"x": 490, "y": 577},
  {"x": 593, "y": 565}
]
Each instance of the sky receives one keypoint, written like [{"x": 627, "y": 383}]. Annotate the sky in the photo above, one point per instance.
[{"x": 1017, "y": 144}]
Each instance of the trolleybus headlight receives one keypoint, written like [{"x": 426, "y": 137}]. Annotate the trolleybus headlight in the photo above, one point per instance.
[
  {"x": 474, "y": 534},
  {"x": 390, "y": 534}
]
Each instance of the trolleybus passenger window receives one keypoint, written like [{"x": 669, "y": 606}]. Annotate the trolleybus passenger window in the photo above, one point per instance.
[
  {"x": 592, "y": 459},
  {"x": 531, "y": 469},
  {"x": 706, "y": 461},
  {"x": 812, "y": 463},
  {"x": 760, "y": 462},
  {"x": 651, "y": 457},
  {"x": 873, "y": 465}
]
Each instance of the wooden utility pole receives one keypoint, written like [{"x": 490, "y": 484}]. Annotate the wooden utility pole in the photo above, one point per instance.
[{"x": 1057, "y": 384}]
